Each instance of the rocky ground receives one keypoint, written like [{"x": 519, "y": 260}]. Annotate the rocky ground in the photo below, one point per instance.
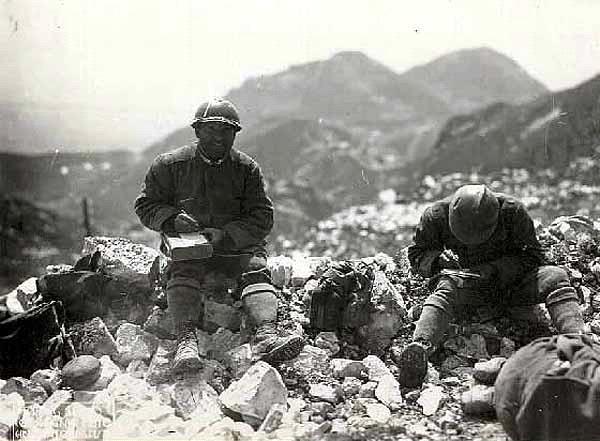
[
  {"x": 341, "y": 387},
  {"x": 386, "y": 226}
]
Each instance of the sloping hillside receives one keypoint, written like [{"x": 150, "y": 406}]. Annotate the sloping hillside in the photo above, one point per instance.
[{"x": 547, "y": 132}]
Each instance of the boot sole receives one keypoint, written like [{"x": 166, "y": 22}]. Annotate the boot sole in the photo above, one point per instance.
[
  {"x": 413, "y": 366},
  {"x": 286, "y": 351}
]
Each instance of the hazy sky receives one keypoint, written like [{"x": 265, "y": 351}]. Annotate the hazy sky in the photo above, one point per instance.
[{"x": 163, "y": 57}]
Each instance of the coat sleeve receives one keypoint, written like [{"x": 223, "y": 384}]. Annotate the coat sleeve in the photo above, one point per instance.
[
  {"x": 524, "y": 250},
  {"x": 154, "y": 205},
  {"x": 256, "y": 219},
  {"x": 427, "y": 245}
]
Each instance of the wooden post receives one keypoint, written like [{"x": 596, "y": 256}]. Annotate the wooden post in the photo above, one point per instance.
[{"x": 86, "y": 216}]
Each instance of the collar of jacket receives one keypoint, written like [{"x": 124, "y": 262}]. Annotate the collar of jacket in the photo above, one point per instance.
[{"x": 214, "y": 163}]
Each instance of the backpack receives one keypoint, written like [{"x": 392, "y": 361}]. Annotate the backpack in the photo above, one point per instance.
[{"x": 33, "y": 340}]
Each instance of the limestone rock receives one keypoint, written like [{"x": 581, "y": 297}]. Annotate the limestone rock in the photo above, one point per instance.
[
  {"x": 81, "y": 372},
  {"x": 351, "y": 386},
  {"x": 201, "y": 418},
  {"x": 56, "y": 404},
  {"x": 255, "y": 393},
  {"x": 273, "y": 419},
  {"x": 378, "y": 412},
  {"x": 376, "y": 368},
  {"x": 49, "y": 379},
  {"x": 341, "y": 368},
  {"x": 128, "y": 264},
  {"x": 12, "y": 406},
  {"x": 190, "y": 394},
  {"x": 226, "y": 429},
  {"x": 388, "y": 392},
  {"x": 325, "y": 392},
  {"x": 93, "y": 338},
  {"x": 310, "y": 361},
  {"x": 108, "y": 371},
  {"x": 133, "y": 343},
  {"x": 139, "y": 368},
  {"x": 160, "y": 323},
  {"x": 430, "y": 399},
  {"x": 239, "y": 360},
  {"x": 81, "y": 422},
  {"x": 367, "y": 390},
  {"x": 30, "y": 391},
  {"x": 124, "y": 394},
  {"x": 159, "y": 370},
  {"x": 21, "y": 298},
  {"x": 142, "y": 423},
  {"x": 328, "y": 341}
]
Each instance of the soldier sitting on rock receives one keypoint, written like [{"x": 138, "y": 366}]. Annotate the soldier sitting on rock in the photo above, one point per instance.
[
  {"x": 480, "y": 248},
  {"x": 218, "y": 191}
]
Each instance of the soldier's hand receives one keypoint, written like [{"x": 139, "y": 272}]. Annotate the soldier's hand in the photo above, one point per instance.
[
  {"x": 184, "y": 223},
  {"x": 214, "y": 235},
  {"x": 447, "y": 260}
]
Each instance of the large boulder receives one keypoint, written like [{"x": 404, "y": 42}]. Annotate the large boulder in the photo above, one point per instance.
[
  {"x": 128, "y": 266},
  {"x": 253, "y": 395}
]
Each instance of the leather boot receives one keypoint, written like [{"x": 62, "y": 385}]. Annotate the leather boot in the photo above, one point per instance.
[
  {"x": 185, "y": 304},
  {"x": 413, "y": 360},
  {"x": 260, "y": 303},
  {"x": 187, "y": 358}
]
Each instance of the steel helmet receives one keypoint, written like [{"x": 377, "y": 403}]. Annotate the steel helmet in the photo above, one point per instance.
[
  {"x": 473, "y": 214},
  {"x": 220, "y": 110}
]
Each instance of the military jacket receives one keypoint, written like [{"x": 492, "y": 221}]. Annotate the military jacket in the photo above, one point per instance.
[
  {"x": 513, "y": 245},
  {"x": 230, "y": 196}
]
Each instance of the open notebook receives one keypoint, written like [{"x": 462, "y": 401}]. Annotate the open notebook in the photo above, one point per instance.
[{"x": 188, "y": 246}]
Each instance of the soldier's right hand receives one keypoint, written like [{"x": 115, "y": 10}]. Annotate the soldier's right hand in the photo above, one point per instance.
[{"x": 184, "y": 223}]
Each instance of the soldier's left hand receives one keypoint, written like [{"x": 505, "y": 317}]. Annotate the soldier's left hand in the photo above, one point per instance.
[{"x": 214, "y": 235}]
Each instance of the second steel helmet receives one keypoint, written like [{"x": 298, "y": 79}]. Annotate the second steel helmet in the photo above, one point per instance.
[
  {"x": 473, "y": 214},
  {"x": 219, "y": 110}
]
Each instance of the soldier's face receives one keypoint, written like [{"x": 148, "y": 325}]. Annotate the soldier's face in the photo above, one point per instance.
[{"x": 216, "y": 138}]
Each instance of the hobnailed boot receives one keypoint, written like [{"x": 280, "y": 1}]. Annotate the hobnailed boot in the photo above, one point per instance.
[
  {"x": 187, "y": 358},
  {"x": 260, "y": 303},
  {"x": 412, "y": 362}
]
